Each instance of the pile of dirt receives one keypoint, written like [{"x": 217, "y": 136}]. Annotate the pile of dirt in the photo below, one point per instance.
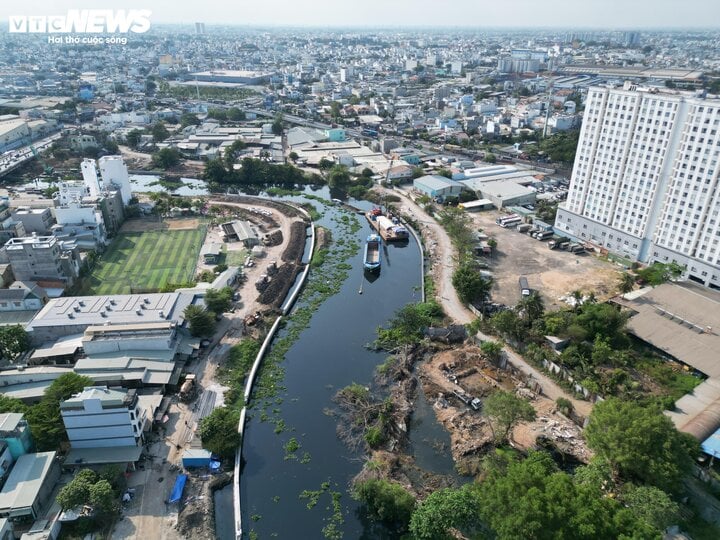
[
  {"x": 197, "y": 517},
  {"x": 275, "y": 293},
  {"x": 323, "y": 238},
  {"x": 283, "y": 208},
  {"x": 296, "y": 244},
  {"x": 275, "y": 238}
]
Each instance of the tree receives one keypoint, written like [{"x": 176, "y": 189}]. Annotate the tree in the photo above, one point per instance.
[
  {"x": 102, "y": 498},
  {"x": 469, "y": 284},
  {"x": 132, "y": 138},
  {"x": 627, "y": 282},
  {"x": 293, "y": 156},
  {"x": 12, "y": 405},
  {"x": 532, "y": 499},
  {"x": 166, "y": 158},
  {"x": 14, "y": 341},
  {"x": 218, "y": 300},
  {"x": 444, "y": 172},
  {"x": 640, "y": 443},
  {"x": 492, "y": 350},
  {"x": 338, "y": 177},
  {"x": 324, "y": 164},
  {"x": 201, "y": 321},
  {"x": 505, "y": 410},
  {"x": 234, "y": 114},
  {"x": 65, "y": 386},
  {"x": 531, "y": 307},
  {"x": 651, "y": 505},
  {"x": 159, "y": 132},
  {"x": 443, "y": 509},
  {"x": 659, "y": 273},
  {"x": 219, "y": 431},
  {"x": 386, "y": 501},
  {"x": 215, "y": 171},
  {"x": 77, "y": 492},
  {"x": 277, "y": 125},
  {"x": 189, "y": 119},
  {"x": 490, "y": 158}
]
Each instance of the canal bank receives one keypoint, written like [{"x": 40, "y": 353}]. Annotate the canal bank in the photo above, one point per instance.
[{"x": 295, "y": 471}]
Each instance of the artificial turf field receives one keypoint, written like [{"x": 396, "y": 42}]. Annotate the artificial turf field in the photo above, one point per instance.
[{"x": 145, "y": 261}]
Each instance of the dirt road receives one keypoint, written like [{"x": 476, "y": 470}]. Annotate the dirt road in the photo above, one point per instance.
[{"x": 442, "y": 257}]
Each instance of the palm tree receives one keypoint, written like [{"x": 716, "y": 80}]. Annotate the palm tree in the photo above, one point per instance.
[{"x": 627, "y": 282}]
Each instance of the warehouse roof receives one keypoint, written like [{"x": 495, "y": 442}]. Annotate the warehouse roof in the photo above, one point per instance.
[
  {"x": 25, "y": 480},
  {"x": 435, "y": 181},
  {"x": 681, "y": 319}
]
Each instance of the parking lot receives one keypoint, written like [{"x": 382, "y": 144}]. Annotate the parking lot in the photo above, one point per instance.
[{"x": 553, "y": 273}]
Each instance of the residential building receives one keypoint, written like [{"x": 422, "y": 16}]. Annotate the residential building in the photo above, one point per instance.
[
  {"x": 29, "y": 486},
  {"x": 242, "y": 231},
  {"x": 6, "y": 463},
  {"x": 99, "y": 417},
  {"x": 15, "y": 432},
  {"x": 20, "y": 302},
  {"x": 645, "y": 179},
  {"x": 114, "y": 173},
  {"x": 36, "y": 258},
  {"x": 34, "y": 220}
]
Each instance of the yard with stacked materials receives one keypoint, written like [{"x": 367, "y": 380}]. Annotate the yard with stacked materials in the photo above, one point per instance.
[{"x": 145, "y": 262}]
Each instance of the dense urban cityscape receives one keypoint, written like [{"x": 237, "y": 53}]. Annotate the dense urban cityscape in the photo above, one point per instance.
[{"x": 402, "y": 281}]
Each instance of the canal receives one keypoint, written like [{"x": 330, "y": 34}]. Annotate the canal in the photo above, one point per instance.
[{"x": 280, "y": 483}]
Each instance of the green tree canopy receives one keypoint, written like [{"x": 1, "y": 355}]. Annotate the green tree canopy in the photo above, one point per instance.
[
  {"x": 166, "y": 158},
  {"x": 640, "y": 443},
  {"x": 201, "y": 321},
  {"x": 132, "y": 138},
  {"x": 443, "y": 509},
  {"x": 159, "y": 132},
  {"x": 218, "y": 300},
  {"x": 14, "y": 341},
  {"x": 338, "y": 177},
  {"x": 219, "y": 431},
  {"x": 386, "y": 501},
  {"x": 505, "y": 410},
  {"x": 189, "y": 119},
  {"x": 533, "y": 500},
  {"x": 77, "y": 492},
  {"x": 659, "y": 273},
  {"x": 470, "y": 285}
]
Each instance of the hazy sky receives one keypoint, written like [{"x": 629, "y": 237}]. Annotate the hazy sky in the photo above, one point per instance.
[{"x": 606, "y": 14}]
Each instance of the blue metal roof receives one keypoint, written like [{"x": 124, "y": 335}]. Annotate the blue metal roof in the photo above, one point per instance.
[{"x": 711, "y": 445}]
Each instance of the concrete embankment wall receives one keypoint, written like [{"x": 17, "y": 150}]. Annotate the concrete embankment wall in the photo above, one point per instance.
[{"x": 289, "y": 302}]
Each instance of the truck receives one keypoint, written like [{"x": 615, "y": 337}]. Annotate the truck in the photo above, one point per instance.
[
  {"x": 187, "y": 390},
  {"x": 524, "y": 227},
  {"x": 554, "y": 243},
  {"x": 577, "y": 249},
  {"x": 524, "y": 287},
  {"x": 543, "y": 235}
]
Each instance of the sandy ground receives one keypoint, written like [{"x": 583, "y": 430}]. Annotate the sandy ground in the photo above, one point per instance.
[
  {"x": 441, "y": 254},
  {"x": 553, "y": 273},
  {"x": 147, "y": 516},
  {"x": 470, "y": 431}
]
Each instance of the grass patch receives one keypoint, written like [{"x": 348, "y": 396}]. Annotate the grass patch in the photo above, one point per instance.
[
  {"x": 236, "y": 257},
  {"x": 144, "y": 261},
  {"x": 675, "y": 382}
]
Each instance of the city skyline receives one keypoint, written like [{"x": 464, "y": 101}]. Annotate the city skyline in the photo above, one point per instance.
[{"x": 607, "y": 15}]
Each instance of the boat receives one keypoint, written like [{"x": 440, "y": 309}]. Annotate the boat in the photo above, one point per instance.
[
  {"x": 390, "y": 229},
  {"x": 372, "y": 253}
]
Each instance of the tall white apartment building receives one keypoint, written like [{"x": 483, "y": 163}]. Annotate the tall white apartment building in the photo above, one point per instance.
[{"x": 645, "y": 179}]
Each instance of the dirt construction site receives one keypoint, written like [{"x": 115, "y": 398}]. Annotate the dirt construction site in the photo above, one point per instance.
[
  {"x": 553, "y": 273},
  {"x": 451, "y": 379}
]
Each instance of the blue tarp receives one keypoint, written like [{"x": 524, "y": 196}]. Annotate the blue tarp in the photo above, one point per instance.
[
  {"x": 177, "y": 489},
  {"x": 214, "y": 465}
]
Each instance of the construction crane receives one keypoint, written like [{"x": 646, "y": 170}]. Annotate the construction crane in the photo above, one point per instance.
[{"x": 47, "y": 169}]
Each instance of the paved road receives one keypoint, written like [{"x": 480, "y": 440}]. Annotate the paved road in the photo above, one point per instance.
[{"x": 443, "y": 260}]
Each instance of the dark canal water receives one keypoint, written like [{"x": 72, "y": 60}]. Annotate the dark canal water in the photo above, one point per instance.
[{"x": 328, "y": 355}]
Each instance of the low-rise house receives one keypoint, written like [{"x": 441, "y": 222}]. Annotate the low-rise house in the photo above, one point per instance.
[
  {"x": 15, "y": 432},
  {"x": 29, "y": 486}
]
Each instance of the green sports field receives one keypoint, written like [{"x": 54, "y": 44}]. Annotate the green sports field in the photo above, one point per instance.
[{"x": 145, "y": 261}]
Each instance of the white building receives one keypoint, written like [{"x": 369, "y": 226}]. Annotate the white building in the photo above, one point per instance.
[
  {"x": 645, "y": 180},
  {"x": 113, "y": 175},
  {"x": 101, "y": 418}
]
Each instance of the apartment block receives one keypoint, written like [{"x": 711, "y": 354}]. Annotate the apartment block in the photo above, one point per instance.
[
  {"x": 36, "y": 258},
  {"x": 645, "y": 179}
]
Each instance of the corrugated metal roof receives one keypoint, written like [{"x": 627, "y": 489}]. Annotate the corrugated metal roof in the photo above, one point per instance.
[{"x": 25, "y": 480}]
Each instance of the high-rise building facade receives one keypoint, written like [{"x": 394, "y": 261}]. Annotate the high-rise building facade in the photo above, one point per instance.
[{"x": 645, "y": 179}]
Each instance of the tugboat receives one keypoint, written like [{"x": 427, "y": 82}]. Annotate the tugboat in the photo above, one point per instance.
[{"x": 372, "y": 253}]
